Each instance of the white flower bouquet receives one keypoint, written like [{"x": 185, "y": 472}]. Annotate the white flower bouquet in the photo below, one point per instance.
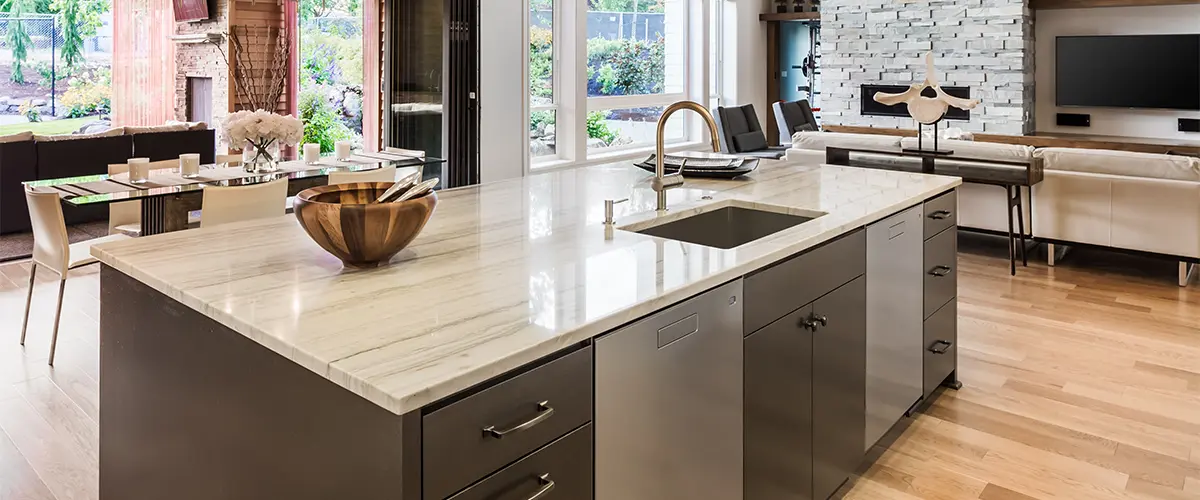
[{"x": 264, "y": 132}]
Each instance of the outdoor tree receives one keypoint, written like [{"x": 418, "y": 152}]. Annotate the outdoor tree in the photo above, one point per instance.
[
  {"x": 80, "y": 19},
  {"x": 310, "y": 9},
  {"x": 18, "y": 39}
]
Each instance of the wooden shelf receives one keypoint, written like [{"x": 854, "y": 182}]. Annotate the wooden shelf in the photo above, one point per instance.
[
  {"x": 1087, "y": 4},
  {"x": 790, "y": 16}
]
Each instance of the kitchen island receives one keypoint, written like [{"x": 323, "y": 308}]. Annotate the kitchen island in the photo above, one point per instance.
[{"x": 242, "y": 361}]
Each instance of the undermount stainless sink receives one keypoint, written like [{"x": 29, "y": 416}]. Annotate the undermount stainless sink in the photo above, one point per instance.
[{"x": 726, "y": 227}]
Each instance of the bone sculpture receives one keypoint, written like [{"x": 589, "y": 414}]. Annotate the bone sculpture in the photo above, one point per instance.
[{"x": 926, "y": 110}]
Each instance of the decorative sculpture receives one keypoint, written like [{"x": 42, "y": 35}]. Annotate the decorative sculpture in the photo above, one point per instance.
[{"x": 926, "y": 110}]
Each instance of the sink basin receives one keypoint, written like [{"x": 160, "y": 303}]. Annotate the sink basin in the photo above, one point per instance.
[{"x": 727, "y": 226}]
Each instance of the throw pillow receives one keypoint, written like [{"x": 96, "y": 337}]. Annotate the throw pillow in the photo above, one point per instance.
[{"x": 749, "y": 141}]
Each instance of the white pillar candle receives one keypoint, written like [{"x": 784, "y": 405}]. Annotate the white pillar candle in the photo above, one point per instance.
[
  {"x": 342, "y": 150},
  {"x": 189, "y": 165},
  {"x": 139, "y": 170},
  {"x": 312, "y": 153}
]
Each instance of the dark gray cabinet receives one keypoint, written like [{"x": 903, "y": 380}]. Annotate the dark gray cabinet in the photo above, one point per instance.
[
  {"x": 806, "y": 385},
  {"x": 562, "y": 469},
  {"x": 778, "y": 410},
  {"x": 839, "y": 332},
  {"x": 941, "y": 349}
]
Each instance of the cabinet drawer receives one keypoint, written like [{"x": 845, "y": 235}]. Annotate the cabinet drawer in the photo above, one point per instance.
[
  {"x": 477, "y": 435},
  {"x": 941, "y": 346},
  {"x": 941, "y": 213},
  {"x": 562, "y": 469},
  {"x": 782, "y": 288},
  {"x": 941, "y": 270}
]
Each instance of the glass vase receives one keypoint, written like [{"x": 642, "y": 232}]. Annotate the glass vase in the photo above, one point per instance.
[{"x": 263, "y": 157}]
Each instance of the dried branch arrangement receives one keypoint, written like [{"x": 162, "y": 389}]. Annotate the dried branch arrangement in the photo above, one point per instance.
[{"x": 260, "y": 64}]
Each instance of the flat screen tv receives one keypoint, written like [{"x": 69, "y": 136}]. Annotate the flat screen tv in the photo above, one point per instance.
[
  {"x": 190, "y": 10},
  {"x": 1129, "y": 71}
]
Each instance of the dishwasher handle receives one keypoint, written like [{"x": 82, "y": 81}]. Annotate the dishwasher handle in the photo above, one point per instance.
[{"x": 545, "y": 411}]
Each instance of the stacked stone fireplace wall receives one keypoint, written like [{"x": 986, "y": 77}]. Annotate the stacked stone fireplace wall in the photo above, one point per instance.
[
  {"x": 203, "y": 60},
  {"x": 984, "y": 45}
]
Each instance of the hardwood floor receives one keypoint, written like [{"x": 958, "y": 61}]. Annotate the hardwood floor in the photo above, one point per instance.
[{"x": 1080, "y": 382}]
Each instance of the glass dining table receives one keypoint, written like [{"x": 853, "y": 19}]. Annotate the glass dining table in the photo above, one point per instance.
[{"x": 167, "y": 197}]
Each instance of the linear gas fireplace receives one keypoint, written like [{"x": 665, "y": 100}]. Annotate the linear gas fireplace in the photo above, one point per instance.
[{"x": 871, "y": 108}]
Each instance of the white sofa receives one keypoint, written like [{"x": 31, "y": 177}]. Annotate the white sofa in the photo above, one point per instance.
[{"x": 1131, "y": 201}]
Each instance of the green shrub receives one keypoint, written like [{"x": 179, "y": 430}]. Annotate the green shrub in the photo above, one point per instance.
[
  {"x": 321, "y": 123},
  {"x": 329, "y": 58},
  {"x": 541, "y": 62},
  {"x": 88, "y": 94},
  {"x": 597, "y": 128},
  {"x": 29, "y": 111}
]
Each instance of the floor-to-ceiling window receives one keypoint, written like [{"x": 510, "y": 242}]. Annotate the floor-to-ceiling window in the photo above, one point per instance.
[
  {"x": 601, "y": 72},
  {"x": 542, "y": 61},
  {"x": 331, "y": 71}
]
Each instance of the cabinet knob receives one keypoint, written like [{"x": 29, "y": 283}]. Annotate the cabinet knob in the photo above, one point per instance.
[
  {"x": 940, "y": 347},
  {"x": 808, "y": 324}
]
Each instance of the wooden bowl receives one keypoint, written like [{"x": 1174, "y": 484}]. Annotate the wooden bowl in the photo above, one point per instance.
[{"x": 345, "y": 220}]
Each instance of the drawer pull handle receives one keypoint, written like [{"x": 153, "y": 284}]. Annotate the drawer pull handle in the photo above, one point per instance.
[
  {"x": 544, "y": 412},
  {"x": 547, "y": 486},
  {"x": 940, "y": 347},
  {"x": 940, "y": 271},
  {"x": 940, "y": 215}
]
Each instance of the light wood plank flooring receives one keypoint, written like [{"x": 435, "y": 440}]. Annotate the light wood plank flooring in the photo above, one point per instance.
[{"x": 1081, "y": 382}]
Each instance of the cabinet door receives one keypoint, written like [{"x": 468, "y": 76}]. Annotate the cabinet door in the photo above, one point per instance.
[
  {"x": 839, "y": 359},
  {"x": 778, "y": 410}
]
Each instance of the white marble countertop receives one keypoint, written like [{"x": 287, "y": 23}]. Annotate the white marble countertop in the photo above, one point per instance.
[{"x": 503, "y": 274}]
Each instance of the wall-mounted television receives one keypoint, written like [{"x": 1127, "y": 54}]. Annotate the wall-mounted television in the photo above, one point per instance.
[
  {"x": 1128, "y": 71},
  {"x": 191, "y": 10}
]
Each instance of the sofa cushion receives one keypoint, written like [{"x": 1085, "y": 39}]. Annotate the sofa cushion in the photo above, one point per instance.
[
  {"x": 979, "y": 150},
  {"x": 819, "y": 140},
  {"x": 170, "y": 127},
  {"x": 1103, "y": 161},
  {"x": 17, "y": 137},
  {"x": 112, "y": 132}
]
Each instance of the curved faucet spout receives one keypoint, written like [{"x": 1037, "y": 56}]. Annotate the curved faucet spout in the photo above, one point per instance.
[{"x": 662, "y": 181}]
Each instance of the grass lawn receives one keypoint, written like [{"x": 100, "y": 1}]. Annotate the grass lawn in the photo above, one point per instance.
[{"x": 52, "y": 127}]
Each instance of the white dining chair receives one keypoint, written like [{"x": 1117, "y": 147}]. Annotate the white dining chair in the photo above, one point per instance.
[
  {"x": 126, "y": 217},
  {"x": 222, "y": 205},
  {"x": 406, "y": 152},
  {"x": 52, "y": 250},
  {"x": 382, "y": 174},
  {"x": 231, "y": 160}
]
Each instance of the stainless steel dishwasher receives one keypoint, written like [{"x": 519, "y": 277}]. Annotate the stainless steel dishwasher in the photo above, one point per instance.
[
  {"x": 668, "y": 418},
  {"x": 895, "y": 334}
]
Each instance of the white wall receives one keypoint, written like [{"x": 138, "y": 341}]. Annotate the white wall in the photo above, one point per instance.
[
  {"x": 745, "y": 56},
  {"x": 1109, "y": 21},
  {"x": 503, "y": 135}
]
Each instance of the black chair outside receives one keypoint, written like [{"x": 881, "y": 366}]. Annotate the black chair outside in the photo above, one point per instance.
[
  {"x": 742, "y": 135},
  {"x": 792, "y": 117}
]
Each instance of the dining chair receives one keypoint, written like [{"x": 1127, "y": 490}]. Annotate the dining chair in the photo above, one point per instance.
[
  {"x": 52, "y": 250},
  {"x": 406, "y": 152},
  {"x": 382, "y": 174},
  {"x": 229, "y": 159},
  {"x": 126, "y": 217},
  {"x": 222, "y": 205}
]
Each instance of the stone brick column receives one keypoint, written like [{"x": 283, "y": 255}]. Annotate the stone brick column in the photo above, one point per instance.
[
  {"x": 985, "y": 45},
  {"x": 203, "y": 60}
]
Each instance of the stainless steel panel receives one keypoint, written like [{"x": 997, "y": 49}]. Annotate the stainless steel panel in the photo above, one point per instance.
[
  {"x": 895, "y": 275},
  {"x": 669, "y": 419}
]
